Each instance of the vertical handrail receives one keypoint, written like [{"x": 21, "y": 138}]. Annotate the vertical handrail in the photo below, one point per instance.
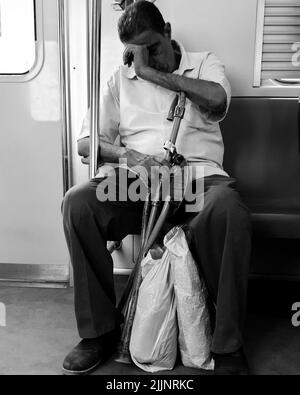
[
  {"x": 63, "y": 36},
  {"x": 95, "y": 63},
  {"x": 88, "y": 47}
]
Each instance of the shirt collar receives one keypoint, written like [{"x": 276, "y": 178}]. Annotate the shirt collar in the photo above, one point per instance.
[{"x": 187, "y": 63}]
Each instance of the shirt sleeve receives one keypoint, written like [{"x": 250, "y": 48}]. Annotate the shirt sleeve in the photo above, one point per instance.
[
  {"x": 85, "y": 129},
  {"x": 213, "y": 70},
  {"x": 109, "y": 115}
]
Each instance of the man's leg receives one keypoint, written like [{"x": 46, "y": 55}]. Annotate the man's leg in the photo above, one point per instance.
[
  {"x": 220, "y": 239},
  {"x": 88, "y": 224}
]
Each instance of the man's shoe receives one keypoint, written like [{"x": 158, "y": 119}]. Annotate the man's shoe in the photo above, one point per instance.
[
  {"x": 234, "y": 364},
  {"x": 90, "y": 353}
]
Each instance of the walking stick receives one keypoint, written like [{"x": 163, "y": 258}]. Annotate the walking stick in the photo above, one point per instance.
[{"x": 151, "y": 226}]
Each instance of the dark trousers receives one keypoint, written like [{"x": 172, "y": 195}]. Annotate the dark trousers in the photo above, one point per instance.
[{"x": 219, "y": 237}]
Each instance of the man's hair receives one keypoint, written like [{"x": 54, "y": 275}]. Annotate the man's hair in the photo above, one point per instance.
[{"x": 139, "y": 17}]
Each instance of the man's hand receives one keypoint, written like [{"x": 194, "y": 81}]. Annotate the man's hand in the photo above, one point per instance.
[
  {"x": 136, "y": 159},
  {"x": 139, "y": 56}
]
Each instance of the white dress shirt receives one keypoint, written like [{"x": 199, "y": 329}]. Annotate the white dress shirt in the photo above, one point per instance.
[{"x": 136, "y": 111}]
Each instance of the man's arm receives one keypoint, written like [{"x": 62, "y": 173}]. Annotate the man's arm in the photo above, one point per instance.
[
  {"x": 208, "y": 95},
  {"x": 111, "y": 153}
]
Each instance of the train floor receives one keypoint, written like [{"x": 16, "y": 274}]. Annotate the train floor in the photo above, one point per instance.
[{"x": 41, "y": 330}]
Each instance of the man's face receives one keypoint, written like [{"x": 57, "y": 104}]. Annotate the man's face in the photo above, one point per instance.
[{"x": 161, "y": 52}]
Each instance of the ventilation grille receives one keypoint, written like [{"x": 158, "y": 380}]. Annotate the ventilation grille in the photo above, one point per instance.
[{"x": 281, "y": 40}]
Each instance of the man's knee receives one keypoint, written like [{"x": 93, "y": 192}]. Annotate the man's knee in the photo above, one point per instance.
[
  {"x": 227, "y": 203},
  {"x": 75, "y": 200},
  {"x": 223, "y": 203},
  {"x": 223, "y": 211}
]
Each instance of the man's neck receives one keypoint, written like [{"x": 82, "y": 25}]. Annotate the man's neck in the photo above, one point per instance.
[{"x": 177, "y": 55}]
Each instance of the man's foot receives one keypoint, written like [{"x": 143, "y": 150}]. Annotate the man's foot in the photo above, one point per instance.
[
  {"x": 90, "y": 353},
  {"x": 234, "y": 364}
]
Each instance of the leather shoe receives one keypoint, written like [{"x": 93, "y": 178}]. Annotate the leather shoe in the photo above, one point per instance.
[
  {"x": 234, "y": 364},
  {"x": 90, "y": 353}
]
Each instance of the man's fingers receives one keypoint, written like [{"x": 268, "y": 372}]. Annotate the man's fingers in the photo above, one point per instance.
[
  {"x": 125, "y": 58},
  {"x": 128, "y": 57},
  {"x": 161, "y": 161}
]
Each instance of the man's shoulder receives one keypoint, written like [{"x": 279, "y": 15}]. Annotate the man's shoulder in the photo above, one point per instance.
[
  {"x": 120, "y": 73},
  {"x": 200, "y": 57},
  {"x": 196, "y": 60},
  {"x": 206, "y": 62},
  {"x": 114, "y": 77}
]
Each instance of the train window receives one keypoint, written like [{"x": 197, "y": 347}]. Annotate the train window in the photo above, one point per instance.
[
  {"x": 18, "y": 37},
  {"x": 277, "y": 43}
]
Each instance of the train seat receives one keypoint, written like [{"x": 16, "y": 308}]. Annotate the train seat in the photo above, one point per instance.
[
  {"x": 276, "y": 225},
  {"x": 262, "y": 152}
]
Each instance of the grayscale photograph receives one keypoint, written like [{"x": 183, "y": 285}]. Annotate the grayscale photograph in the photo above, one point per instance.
[{"x": 150, "y": 190}]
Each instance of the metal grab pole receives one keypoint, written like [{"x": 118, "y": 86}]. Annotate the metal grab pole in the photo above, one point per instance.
[
  {"x": 95, "y": 72},
  {"x": 63, "y": 33},
  {"x": 95, "y": 64}
]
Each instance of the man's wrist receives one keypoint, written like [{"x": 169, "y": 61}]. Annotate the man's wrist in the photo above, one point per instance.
[
  {"x": 166, "y": 80},
  {"x": 125, "y": 156},
  {"x": 147, "y": 73}
]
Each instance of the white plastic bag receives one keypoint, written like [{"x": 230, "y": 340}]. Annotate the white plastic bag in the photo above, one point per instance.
[
  {"x": 191, "y": 300},
  {"x": 153, "y": 344}
]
